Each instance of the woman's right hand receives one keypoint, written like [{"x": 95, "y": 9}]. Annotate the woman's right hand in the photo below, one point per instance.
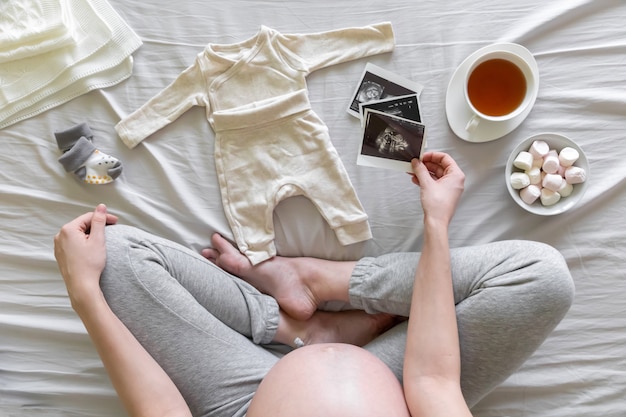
[
  {"x": 80, "y": 251},
  {"x": 441, "y": 183}
]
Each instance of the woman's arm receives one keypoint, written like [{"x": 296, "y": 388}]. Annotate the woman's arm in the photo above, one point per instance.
[
  {"x": 432, "y": 364},
  {"x": 142, "y": 385}
]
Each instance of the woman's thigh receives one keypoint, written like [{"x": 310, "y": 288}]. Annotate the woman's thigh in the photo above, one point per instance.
[
  {"x": 202, "y": 325},
  {"x": 509, "y": 296}
]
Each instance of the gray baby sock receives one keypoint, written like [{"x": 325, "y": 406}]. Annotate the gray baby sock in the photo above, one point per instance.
[{"x": 82, "y": 158}]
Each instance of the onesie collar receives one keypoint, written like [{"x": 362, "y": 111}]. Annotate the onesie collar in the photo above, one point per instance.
[{"x": 233, "y": 53}]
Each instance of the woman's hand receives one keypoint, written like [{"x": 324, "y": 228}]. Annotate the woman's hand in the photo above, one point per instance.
[
  {"x": 441, "y": 183},
  {"x": 143, "y": 386},
  {"x": 80, "y": 251}
]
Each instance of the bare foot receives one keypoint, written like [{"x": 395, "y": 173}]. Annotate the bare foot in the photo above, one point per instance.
[
  {"x": 352, "y": 326},
  {"x": 279, "y": 277}
]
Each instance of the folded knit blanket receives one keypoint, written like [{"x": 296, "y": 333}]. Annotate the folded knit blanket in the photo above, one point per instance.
[
  {"x": 99, "y": 56},
  {"x": 33, "y": 27}
]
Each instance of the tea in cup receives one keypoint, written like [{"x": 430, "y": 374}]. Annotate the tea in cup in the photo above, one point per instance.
[{"x": 499, "y": 86}]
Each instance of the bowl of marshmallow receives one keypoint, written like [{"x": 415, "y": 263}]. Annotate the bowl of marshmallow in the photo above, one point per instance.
[{"x": 547, "y": 174}]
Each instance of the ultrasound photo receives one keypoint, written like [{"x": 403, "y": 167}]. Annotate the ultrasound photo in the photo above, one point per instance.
[
  {"x": 390, "y": 141},
  {"x": 377, "y": 84}
]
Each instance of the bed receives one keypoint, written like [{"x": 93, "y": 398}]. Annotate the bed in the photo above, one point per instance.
[{"x": 48, "y": 367}]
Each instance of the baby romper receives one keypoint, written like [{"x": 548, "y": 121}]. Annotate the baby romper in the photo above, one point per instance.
[{"x": 269, "y": 144}]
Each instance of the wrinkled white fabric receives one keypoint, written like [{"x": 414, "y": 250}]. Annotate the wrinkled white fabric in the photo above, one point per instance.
[{"x": 48, "y": 366}]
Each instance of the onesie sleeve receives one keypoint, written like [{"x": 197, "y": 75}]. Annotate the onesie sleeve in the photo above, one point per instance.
[
  {"x": 187, "y": 90},
  {"x": 322, "y": 49}
]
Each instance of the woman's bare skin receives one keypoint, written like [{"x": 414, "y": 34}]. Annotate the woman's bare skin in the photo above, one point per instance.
[
  {"x": 300, "y": 285},
  {"x": 329, "y": 379}
]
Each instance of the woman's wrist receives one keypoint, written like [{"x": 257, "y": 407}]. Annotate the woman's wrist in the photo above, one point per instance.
[
  {"x": 436, "y": 222},
  {"x": 86, "y": 297}
]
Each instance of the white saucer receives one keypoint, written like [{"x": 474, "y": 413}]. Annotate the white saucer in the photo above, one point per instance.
[{"x": 459, "y": 113}]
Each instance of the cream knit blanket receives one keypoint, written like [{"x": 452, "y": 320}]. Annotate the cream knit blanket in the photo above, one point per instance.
[
  {"x": 33, "y": 27},
  {"x": 99, "y": 55}
]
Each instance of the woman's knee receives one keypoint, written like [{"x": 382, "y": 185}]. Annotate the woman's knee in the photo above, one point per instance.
[
  {"x": 119, "y": 239},
  {"x": 534, "y": 274},
  {"x": 114, "y": 280},
  {"x": 552, "y": 275},
  {"x": 119, "y": 235}
]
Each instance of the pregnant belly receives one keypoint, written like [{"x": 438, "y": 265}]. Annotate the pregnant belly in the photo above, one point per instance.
[{"x": 330, "y": 380}]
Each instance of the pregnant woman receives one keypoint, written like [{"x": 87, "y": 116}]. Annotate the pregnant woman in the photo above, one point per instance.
[{"x": 429, "y": 333}]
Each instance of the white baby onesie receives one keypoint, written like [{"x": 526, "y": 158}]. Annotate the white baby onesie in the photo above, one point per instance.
[{"x": 269, "y": 144}]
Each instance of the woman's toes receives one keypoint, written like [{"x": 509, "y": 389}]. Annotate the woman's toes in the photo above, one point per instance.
[
  {"x": 227, "y": 256},
  {"x": 210, "y": 254},
  {"x": 221, "y": 245}
]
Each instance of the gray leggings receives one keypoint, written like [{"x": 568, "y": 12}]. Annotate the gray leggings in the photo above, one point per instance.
[{"x": 210, "y": 330}]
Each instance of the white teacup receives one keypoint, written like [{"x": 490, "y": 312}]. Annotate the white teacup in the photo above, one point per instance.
[{"x": 498, "y": 87}]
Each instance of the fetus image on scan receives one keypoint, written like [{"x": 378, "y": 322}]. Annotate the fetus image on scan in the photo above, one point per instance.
[
  {"x": 370, "y": 91},
  {"x": 389, "y": 137},
  {"x": 391, "y": 143}
]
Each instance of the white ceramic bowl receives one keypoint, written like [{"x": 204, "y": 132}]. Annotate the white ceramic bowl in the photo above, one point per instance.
[{"x": 557, "y": 142}]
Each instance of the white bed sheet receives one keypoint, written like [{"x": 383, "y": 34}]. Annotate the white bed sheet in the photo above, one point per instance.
[{"x": 48, "y": 366}]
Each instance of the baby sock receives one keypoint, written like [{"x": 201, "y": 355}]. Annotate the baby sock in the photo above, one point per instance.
[{"x": 81, "y": 156}]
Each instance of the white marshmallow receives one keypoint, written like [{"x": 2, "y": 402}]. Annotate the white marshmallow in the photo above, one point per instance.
[
  {"x": 551, "y": 162},
  {"x": 575, "y": 175},
  {"x": 568, "y": 156},
  {"x": 566, "y": 189},
  {"x": 549, "y": 197},
  {"x": 523, "y": 161},
  {"x": 530, "y": 194},
  {"x": 539, "y": 149},
  {"x": 552, "y": 182},
  {"x": 519, "y": 180},
  {"x": 548, "y": 175},
  {"x": 534, "y": 174}
]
